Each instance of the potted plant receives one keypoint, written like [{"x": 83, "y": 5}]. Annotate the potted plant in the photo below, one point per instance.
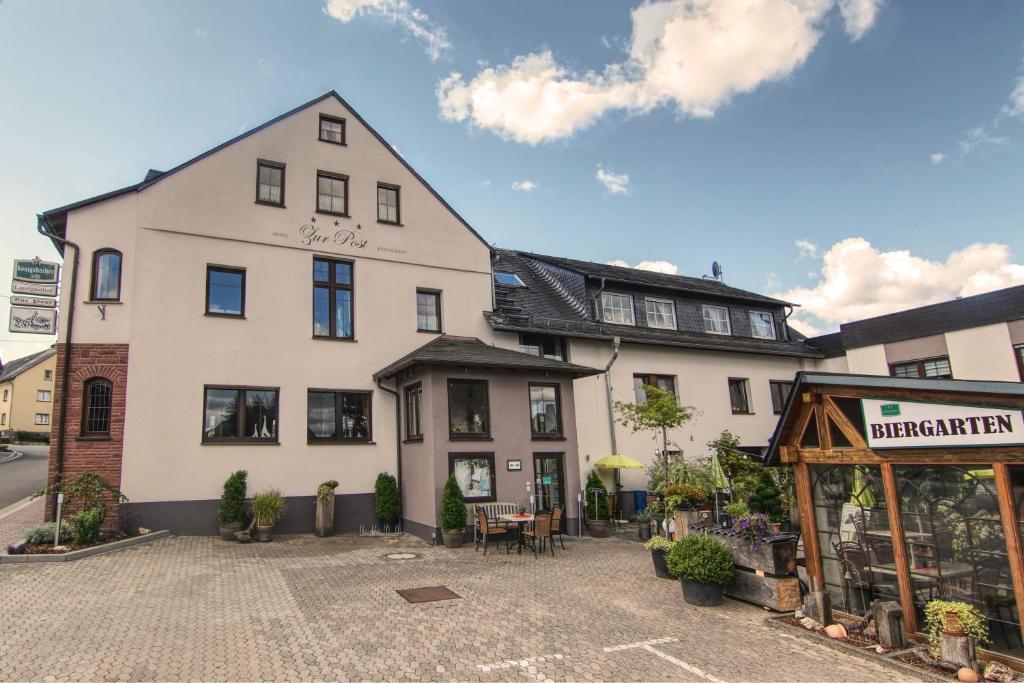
[
  {"x": 954, "y": 618},
  {"x": 643, "y": 520},
  {"x": 231, "y": 513},
  {"x": 733, "y": 511},
  {"x": 387, "y": 500},
  {"x": 659, "y": 546},
  {"x": 453, "y": 514},
  {"x": 752, "y": 527},
  {"x": 325, "y": 508},
  {"x": 267, "y": 507},
  {"x": 703, "y": 566},
  {"x": 598, "y": 514}
]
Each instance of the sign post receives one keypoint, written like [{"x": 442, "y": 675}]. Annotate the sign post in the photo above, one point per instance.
[{"x": 33, "y": 288}]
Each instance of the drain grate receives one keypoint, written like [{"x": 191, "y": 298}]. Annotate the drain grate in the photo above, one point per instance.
[
  {"x": 429, "y": 594},
  {"x": 401, "y": 556}
]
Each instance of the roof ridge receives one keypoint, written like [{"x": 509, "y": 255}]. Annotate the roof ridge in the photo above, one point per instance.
[{"x": 559, "y": 288}]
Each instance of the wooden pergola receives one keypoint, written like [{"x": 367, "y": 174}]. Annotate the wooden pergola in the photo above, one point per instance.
[{"x": 903, "y": 423}]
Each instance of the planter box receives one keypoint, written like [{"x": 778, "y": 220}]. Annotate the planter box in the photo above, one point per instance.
[
  {"x": 684, "y": 518},
  {"x": 776, "y": 557},
  {"x": 86, "y": 552},
  {"x": 779, "y": 593}
]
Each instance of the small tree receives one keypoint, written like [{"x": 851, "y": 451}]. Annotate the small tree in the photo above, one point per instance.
[
  {"x": 453, "y": 506},
  {"x": 385, "y": 493},
  {"x": 742, "y": 472},
  {"x": 232, "y": 499},
  {"x": 765, "y": 498},
  {"x": 596, "y": 504},
  {"x": 659, "y": 414},
  {"x": 87, "y": 491}
]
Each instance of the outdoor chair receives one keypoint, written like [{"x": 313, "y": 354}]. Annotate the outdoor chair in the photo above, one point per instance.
[
  {"x": 540, "y": 534},
  {"x": 485, "y": 530},
  {"x": 556, "y": 525}
]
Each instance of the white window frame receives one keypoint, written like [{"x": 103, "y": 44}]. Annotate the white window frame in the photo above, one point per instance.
[
  {"x": 42, "y": 419},
  {"x": 705, "y": 308},
  {"x": 651, "y": 316},
  {"x": 606, "y": 297},
  {"x": 43, "y": 396},
  {"x": 771, "y": 325}
]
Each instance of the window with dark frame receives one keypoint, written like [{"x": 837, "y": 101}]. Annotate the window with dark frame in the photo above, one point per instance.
[
  {"x": 269, "y": 183},
  {"x": 468, "y": 409},
  {"x": 739, "y": 395},
  {"x": 240, "y": 414},
  {"x": 475, "y": 475},
  {"x": 97, "y": 403},
  {"x": 428, "y": 310},
  {"x": 388, "y": 209},
  {"x": 334, "y": 416},
  {"x": 225, "y": 291},
  {"x": 413, "y": 410},
  {"x": 1018, "y": 352},
  {"x": 780, "y": 392},
  {"x": 332, "y": 299},
  {"x": 543, "y": 345},
  {"x": 928, "y": 368},
  {"x": 106, "y": 275},
  {"x": 48, "y": 375},
  {"x": 545, "y": 411},
  {"x": 663, "y": 382},
  {"x": 332, "y": 193},
  {"x": 332, "y": 129}
]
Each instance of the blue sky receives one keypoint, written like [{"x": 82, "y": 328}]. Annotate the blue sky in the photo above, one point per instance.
[{"x": 744, "y": 126}]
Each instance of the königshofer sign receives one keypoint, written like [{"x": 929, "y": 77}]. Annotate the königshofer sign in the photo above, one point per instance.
[
  {"x": 908, "y": 424},
  {"x": 34, "y": 270}
]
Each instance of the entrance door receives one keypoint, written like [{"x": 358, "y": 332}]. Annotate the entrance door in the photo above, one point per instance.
[{"x": 549, "y": 480}]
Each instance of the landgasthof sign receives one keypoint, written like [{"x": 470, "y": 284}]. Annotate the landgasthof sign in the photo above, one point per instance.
[
  {"x": 40, "y": 301},
  {"x": 34, "y": 270},
  {"x": 34, "y": 288},
  {"x": 33, "y": 320},
  {"x": 912, "y": 424}
]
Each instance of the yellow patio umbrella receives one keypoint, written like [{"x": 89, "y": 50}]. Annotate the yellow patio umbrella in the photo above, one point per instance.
[{"x": 619, "y": 462}]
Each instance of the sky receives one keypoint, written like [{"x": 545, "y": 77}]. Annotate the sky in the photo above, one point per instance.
[{"x": 855, "y": 157}]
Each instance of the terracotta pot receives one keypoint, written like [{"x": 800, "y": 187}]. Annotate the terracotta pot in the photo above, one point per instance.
[{"x": 952, "y": 625}]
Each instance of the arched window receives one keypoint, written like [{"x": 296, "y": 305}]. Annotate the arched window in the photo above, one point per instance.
[
  {"x": 106, "y": 275},
  {"x": 97, "y": 400}
]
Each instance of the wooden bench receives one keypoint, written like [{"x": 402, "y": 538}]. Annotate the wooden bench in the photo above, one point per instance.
[{"x": 492, "y": 510}]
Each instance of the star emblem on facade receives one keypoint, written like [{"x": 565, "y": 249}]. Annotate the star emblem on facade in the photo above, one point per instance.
[
  {"x": 359, "y": 226},
  {"x": 336, "y": 223},
  {"x": 312, "y": 219}
]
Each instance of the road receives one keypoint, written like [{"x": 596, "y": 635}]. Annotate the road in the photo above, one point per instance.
[{"x": 24, "y": 476}]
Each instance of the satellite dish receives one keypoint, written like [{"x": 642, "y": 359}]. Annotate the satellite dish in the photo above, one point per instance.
[{"x": 716, "y": 270}]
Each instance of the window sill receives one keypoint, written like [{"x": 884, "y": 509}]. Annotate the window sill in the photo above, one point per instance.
[
  {"x": 397, "y": 225},
  {"x": 718, "y": 334},
  {"x": 415, "y": 439},
  {"x": 333, "y": 142},
  {"x": 431, "y": 331},
  {"x": 742, "y": 412},
  {"x": 332, "y": 213},
  {"x": 103, "y": 301},
  {"x": 273, "y": 204},
  {"x": 470, "y": 437},
  {"x": 340, "y": 442},
  {"x": 224, "y": 315},
  {"x": 105, "y": 437},
  {"x": 541, "y": 437},
  {"x": 237, "y": 442},
  {"x": 334, "y": 339}
]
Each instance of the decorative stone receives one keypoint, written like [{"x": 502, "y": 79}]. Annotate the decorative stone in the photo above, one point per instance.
[
  {"x": 880, "y": 650},
  {"x": 835, "y": 631},
  {"x": 143, "y": 531},
  {"x": 994, "y": 671},
  {"x": 810, "y": 624},
  {"x": 18, "y": 548},
  {"x": 965, "y": 674}
]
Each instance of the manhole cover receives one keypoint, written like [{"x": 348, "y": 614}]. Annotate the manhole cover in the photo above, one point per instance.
[
  {"x": 429, "y": 594},
  {"x": 401, "y": 556}
]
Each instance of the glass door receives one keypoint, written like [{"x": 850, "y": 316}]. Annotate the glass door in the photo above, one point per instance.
[{"x": 549, "y": 480}]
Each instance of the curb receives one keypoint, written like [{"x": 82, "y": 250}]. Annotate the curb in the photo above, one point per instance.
[
  {"x": 884, "y": 660},
  {"x": 86, "y": 552},
  {"x": 14, "y": 455}
]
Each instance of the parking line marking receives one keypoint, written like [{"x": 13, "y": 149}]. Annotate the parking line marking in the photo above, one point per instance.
[
  {"x": 526, "y": 665},
  {"x": 648, "y": 645}
]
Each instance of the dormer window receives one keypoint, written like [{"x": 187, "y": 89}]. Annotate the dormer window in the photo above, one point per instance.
[
  {"x": 716, "y": 320},
  {"x": 332, "y": 129},
  {"x": 762, "y": 325},
  {"x": 617, "y": 308},
  {"x": 661, "y": 313}
]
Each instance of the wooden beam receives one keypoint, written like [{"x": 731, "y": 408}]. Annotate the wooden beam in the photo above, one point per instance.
[
  {"x": 899, "y": 549},
  {"x": 926, "y": 395},
  {"x": 916, "y": 456},
  {"x": 843, "y": 423},
  {"x": 808, "y": 527},
  {"x": 1011, "y": 529},
  {"x": 824, "y": 433}
]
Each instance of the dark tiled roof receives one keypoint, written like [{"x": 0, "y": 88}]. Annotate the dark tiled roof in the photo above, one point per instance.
[
  {"x": 553, "y": 302},
  {"x": 830, "y": 345},
  {"x": 471, "y": 352},
  {"x": 948, "y": 316},
  {"x": 20, "y": 365}
]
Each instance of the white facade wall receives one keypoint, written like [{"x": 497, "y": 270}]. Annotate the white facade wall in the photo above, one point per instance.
[{"x": 982, "y": 353}]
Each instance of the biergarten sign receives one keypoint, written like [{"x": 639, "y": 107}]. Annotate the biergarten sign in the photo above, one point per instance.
[
  {"x": 34, "y": 270},
  {"x": 912, "y": 424},
  {"x": 33, "y": 320}
]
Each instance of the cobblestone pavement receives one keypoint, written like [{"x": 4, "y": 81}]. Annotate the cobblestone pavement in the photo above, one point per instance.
[
  {"x": 16, "y": 519},
  {"x": 300, "y": 608}
]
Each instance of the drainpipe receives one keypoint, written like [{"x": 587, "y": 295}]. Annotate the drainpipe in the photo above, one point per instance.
[
  {"x": 398, "y": 442},
  {"x": 608, "y": 392},
  {"x": 787, "y": 311},
  {"x": 43, "y": 228}
]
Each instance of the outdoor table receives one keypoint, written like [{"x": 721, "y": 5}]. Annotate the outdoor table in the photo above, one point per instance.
[{"x": 520, "y": 519}]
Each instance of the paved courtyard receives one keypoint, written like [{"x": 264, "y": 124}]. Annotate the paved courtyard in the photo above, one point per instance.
[{"x": 300, "y": 608}]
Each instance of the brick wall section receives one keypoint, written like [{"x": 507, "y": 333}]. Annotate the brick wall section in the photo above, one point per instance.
[{"x": 90, "y": 454}]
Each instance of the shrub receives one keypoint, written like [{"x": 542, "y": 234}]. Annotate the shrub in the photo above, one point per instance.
[
  {"x": 42, "y": 534},
  {"x": 232, "y": 500},
  {"x": 684, "y": 496},
  {"x": 970, "y": 617},
  {"x": 453, "y": 506},
  {"x": 85, "y": 526},
  {"x": 325, "y": 491},
  {"x": 700, "y": 559},
  {"x": 737, "y": 509},
  {"x": 87, "y": 491},
  {"x": 600, "y": 510},
  {"x": 657, "y": 542},
  {"x": 765, "y": 498},
  {"x": 267, "y": 507},
  {"x": 385, "y": 494}
]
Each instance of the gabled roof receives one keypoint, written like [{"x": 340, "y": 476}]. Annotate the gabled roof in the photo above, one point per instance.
[
  {"x": 471, "y": 352},
  {"x": 964, "y": 313},
  {"x": 20, "y": 365},
  {"x": 56, "y": 219}
]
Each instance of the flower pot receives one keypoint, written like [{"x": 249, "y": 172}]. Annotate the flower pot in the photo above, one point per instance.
[
  {"x": 598, "y": 528},
  {"x": 453, "y": 538},
  {"x": 776, "y": 527},
  {"x": 951, "y": 625},
  {"x": 660, "y": 566},
  {"x": 325, "y": 517},
  {"x": 702, "y": 594},
  {"x": 645, "y": 531},
  {"x": 227, "y": 531},
  {"x": 264, "y": 534}
]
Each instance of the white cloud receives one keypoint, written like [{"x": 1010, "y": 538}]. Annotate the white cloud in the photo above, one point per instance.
[
  {"x": 524, "y": 186},
  {"x": 413, "y": 21},
  {"x": 806, "y": 249},
  {"x": 938, "y": 158},
  {"x": 200, "y": 33},
  {"x": 859, "y": 281},
  {"x": 695, "y": 54},
  {"x": 653, "y": 266},
  {"x": 485, "y": 183},
  {"x": 771, "y": 282},
  {"x": 858, "y": 16},
  {"x": 981, "y": 136},
  {"x": 1016, "y": 105},
  {"x": 616, "y": 183}
]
